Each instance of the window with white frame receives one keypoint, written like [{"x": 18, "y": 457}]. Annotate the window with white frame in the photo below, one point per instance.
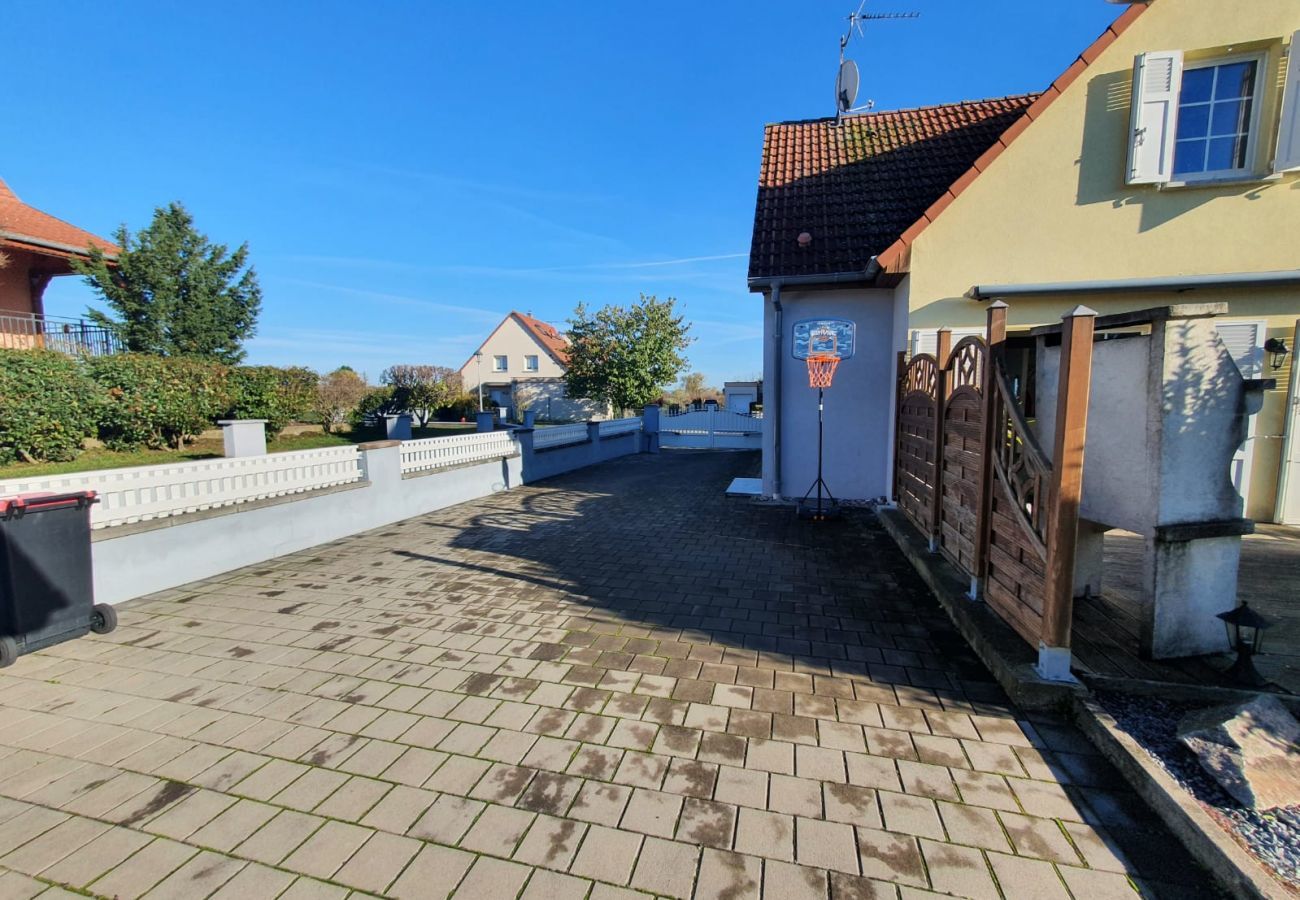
[
  {"x": 1203, "y": 119},
  {"x": 1216, "y": 127},
  {"x": 498, "y": 364},
  {"x": 530, "y": 363}
]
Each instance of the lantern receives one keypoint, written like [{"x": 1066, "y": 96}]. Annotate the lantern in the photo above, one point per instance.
[{"x": 1246, "y": 634}]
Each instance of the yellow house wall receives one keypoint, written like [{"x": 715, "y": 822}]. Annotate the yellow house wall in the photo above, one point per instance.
[{"x": 1054, "y": 207}]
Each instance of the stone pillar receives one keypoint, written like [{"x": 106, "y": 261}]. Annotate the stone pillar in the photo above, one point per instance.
[
  {"x": 650, "y": 429},
  {"x": 381, "y": 463},
  {"x": 485, "y": 421},
  {"x": 397, "y": 427},
  {"x": 1088, "y": 559},
  {"x": 243, "y": 437},
  {"x": 1191, "y": 577},
  {"x": 530, "y": 418},
  {"x": 593, "y": 441},
  {"x": 524, "y": 438}
]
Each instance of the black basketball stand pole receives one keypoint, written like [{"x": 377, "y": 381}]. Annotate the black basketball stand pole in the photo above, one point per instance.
[{"x": 820, "y": 484}]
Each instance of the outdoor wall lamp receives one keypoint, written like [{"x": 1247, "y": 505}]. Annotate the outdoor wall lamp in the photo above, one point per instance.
[
  {"x": 1246, "y": 634},
  {"x": 1277, "y": 350}
]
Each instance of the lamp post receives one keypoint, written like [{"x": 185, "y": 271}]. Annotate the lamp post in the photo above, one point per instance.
[
  {"x": 1246, "y": 633},
  {"x": 478, "y": 363}
]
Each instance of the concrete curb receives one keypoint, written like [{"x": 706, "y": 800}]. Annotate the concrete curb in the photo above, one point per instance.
[
  {"x": 1005, "y": 653},
  {"x": 1211, "y": 846}
]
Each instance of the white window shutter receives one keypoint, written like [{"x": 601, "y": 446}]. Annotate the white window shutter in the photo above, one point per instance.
[
  {"x": 1244, "y": 342},
  {"x": 1157, "y": 77},
  {"x": 1288, "y": 132}
]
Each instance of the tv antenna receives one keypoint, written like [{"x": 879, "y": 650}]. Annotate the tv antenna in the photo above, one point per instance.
[{"x": 847, "y": 80}]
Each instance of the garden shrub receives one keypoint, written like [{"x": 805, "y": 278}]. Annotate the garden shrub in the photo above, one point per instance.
[
  {"x": 47, "y": 406},
  {"x": 278, "y": 395},
  {"x": 379, "y": 402},
  {"x": 465, "y": 406},
  {"x": 157, "y": 401}
]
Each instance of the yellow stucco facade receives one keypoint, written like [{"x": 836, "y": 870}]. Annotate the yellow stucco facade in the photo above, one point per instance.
[{"x": 1055, "y": 207}]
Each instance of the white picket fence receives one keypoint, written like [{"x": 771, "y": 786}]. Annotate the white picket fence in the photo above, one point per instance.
[
  {"x": 711, "y": 429},
  {"x": 558, "y": 435},
  {"x": 458, "y": 449},
  {"x": 620, "y": 426},
  {"x": 155, "y": 492}
]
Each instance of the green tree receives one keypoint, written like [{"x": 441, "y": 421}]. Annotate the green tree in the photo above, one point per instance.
[
  {"x": 625, "y": 355},
  {"x": 174, "y": 292},
  {"x": 422, "y": 390}
]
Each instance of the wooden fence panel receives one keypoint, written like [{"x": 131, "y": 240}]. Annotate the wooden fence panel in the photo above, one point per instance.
[{"x": 914, "y": 470}]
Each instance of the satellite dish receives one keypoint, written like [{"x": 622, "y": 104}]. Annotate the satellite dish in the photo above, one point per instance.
[{"x": 846, "y": 86}]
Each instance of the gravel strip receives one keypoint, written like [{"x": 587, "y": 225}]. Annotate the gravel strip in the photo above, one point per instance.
[{"x": 1273, "y": 837}]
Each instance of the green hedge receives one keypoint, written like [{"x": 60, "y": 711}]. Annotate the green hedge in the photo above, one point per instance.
[
  {"x": 156, "y": 401},
  {"x": 47, "y": 406},
  {"x": 278, "y": 395}
]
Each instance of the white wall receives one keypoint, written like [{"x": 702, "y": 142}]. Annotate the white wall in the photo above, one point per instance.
[
  {"x": 131, "y": 561},
  {"x": 859, "y": 405}
]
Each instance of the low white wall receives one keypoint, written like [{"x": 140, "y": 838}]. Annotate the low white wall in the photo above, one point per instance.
[
  {"x": 131, "y": 561},
  {"x": 548, "y": 461}
]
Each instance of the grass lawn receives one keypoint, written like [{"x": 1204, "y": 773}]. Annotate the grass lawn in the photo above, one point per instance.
[{"x": 210, "y": 448}]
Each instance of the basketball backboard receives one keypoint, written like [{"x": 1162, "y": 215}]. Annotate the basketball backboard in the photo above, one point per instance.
[{"x": 823, "y": 337}]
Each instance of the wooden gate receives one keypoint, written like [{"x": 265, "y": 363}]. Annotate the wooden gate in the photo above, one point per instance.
[
  {"x": 963, "y": 447},
  {"x": 914, "y": 470},
  {"x": 1016, "y": 580}
]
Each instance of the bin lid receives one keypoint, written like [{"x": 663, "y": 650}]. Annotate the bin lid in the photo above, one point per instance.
[{"x": 44, "y": 501}]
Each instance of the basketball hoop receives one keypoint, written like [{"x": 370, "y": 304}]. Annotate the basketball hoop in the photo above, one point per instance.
[{"x": 821, "y": 370}]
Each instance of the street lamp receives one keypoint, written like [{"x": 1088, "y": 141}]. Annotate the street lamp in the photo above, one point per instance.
[
  {"x": 1246, "y": 634},
  {"x": 478, "y": 361}
]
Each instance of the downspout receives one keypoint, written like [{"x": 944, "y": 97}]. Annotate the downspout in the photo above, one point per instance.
[{"x": 778, "y": 335}]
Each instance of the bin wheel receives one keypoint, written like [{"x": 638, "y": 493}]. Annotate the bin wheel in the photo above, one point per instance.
[
  {"x": 8, "y": 652},
  {"x": 103, "y": 618}
]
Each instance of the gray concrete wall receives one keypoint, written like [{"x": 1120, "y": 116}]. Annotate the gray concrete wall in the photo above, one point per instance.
[{"x": 549, "y": 461}]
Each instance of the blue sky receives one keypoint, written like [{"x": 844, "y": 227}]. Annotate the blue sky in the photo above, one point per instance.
[{"x": 408, "y": 172}]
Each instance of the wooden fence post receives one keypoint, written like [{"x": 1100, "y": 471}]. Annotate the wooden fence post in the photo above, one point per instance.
[
  {"x": 943, "y": 350},
  {"x": 900, "y": 367},
  {"x": 995, "y": 337},
  {"x": 1073, "y": 388}
]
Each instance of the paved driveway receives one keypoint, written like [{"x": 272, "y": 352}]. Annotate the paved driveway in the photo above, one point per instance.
[{"x": 615, "y": 681}]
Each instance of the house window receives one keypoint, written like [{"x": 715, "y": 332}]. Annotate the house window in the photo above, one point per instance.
[
  {"x": 530, "y": 363},
  {"x": 1216, "y": 113},
  {"x": 498, "y": 364}
]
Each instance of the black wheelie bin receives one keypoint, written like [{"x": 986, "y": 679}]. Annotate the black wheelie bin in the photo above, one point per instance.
[{"x": 46, "y": 590}]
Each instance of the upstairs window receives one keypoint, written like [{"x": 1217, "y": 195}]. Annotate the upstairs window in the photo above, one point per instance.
[
  {"x": 1202, "y": 120},
  {"x": 1216, "y": 118},
  {"x": 498, "y": 364},
  {"x": 530, "y": 363}
]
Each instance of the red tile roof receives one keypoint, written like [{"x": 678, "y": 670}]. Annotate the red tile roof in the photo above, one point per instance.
[
  {"x": 546, "y": 335},
  {"x": 897, "y": 257},
  {"x": 856, "y": 186},
  {"x": 27, "y": 227}
]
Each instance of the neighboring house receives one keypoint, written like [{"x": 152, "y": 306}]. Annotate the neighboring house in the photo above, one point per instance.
[
  {"x": 1162, "y": 166},
  {"x": 36, "y": 247},
  {"x": 522, "y": 363},
  {"x": 737, "y": 396}
]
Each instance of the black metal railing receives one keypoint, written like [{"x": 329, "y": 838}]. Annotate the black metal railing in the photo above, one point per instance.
[{"x": 27, "y": 331}]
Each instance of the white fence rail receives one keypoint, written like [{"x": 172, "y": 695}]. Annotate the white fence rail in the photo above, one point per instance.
[
  {"x": 155, "y": 492},
  {"x": 458, "y": 449},
  {"x": 711, "y": 429},
  {"x": 559, "y": 435},
  {"x": 620, "y": 426}
]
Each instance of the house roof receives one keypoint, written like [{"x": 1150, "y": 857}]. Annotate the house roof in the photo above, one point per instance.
[
  {"x": 856, "y": 185},
  {"x": 547, "y": 335},
  {"x": 544, "y": 333},
  {"x": 815, "y": 180},
  {"x": 897, "y": 257},
  {"x": 26, "y": 227}
]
